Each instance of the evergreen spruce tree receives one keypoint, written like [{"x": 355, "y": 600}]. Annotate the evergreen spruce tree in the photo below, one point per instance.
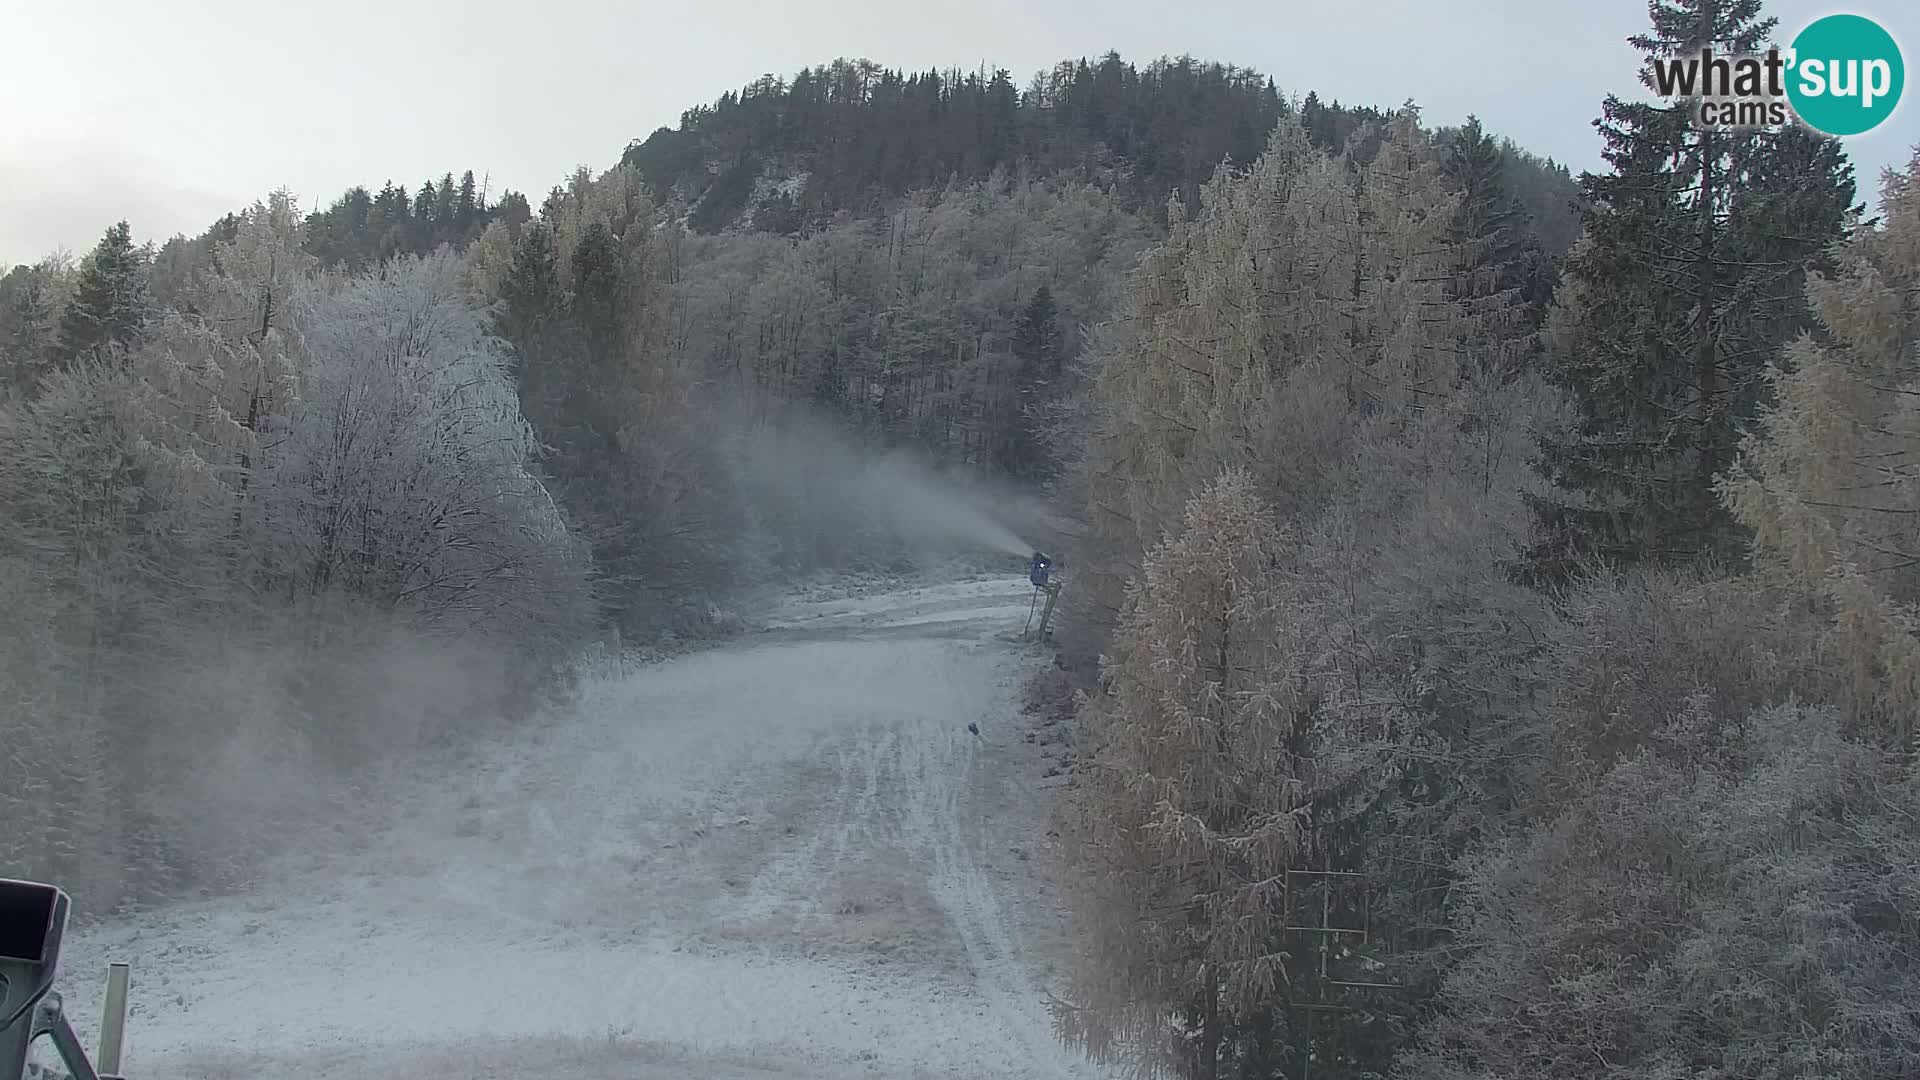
[
  {"x": 420, "y": 229},
  {"x": 529, "y": 318},
  {"x": 1675, "y": 298},
  {"x": 513, "y": 209},
  {"x": 393, "y": 223},
  {"x": 467, "y": 209},
  {"x": 445, "y": 206},
  {"x": 29, "y": 324},
  {"x": 110, "y": 304},
  {"x": 594, "y": 375},
  {"x": 1038, "y": 353},
  {"x": 1318, "y": 121},
  {"x": 1505, "y": 253}
]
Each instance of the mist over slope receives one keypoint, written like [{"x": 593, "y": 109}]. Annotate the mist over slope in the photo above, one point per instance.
[
  {"x": 787, "y": 858},
  {"x": 810, "y": 480},
  {"x": 1487, "y": 653}
]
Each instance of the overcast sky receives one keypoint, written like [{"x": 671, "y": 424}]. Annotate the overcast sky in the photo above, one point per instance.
[{"x": 172, "y": 112}]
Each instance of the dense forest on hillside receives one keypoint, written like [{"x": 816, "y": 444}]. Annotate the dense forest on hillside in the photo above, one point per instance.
[
  {"x": 852, "y": 135},
  {"x": 1491, "y": 633}
]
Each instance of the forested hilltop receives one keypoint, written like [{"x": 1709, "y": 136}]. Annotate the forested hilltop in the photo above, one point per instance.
[
  {"x": 851, "y": 135},
  {"x": 1490, "y": 631},
  {"x": 929, "y": 285}
]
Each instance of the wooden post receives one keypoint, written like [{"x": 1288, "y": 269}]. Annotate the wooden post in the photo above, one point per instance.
[{"x": 113, "y": 1019}]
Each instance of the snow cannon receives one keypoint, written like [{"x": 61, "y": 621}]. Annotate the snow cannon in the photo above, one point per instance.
[
  {"x": 1040, "y": 572},
  {"x": 33, "y": 920},
  {"x": 1038, "y": 568}
]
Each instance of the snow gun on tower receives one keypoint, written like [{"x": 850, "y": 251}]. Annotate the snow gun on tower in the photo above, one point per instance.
[{"x": 1040, "y": 572}]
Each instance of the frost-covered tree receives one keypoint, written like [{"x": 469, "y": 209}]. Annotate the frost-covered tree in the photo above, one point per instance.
[
  {"x": 1711, "y": 886},
  {"x": 1415, "y": 330},
  {"x": 1039, "y": 359},
  {"x": 254, "y": 535},
  {"x": 489, "y": 261},
  {"x": 58, "y": 763},
  {"x": 1684, "y": 285},
  {"x": 1724, "y": 902},
  {"x": 907, "y": 329},
  {"x": 1195, "y": 806},
  {"x": 1829, "y": 479},
  {"x": 1504, "y": 250},
  {"x": 622, "y": 433},
  {"x": 31, "y": 300},
  {"x": 404, "y": 478},
  {"x": 1256, "y": 284},
  {"x": 253, "y": 266},
  {"x": 110, "y": 302},
  {"x": 1298, "y": 279},
  {"x": 77, "y": 541},
  {"x": 1311, "y": 324},
  {"x": 1426, "y": 730}
]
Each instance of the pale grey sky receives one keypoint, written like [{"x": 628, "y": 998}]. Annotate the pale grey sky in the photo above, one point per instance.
[{"x": 171, "y": 112}]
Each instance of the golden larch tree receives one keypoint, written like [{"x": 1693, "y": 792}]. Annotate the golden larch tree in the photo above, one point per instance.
[
  {"x": 1196, "y": 805},
  {"x": 1829, "y": 481}
]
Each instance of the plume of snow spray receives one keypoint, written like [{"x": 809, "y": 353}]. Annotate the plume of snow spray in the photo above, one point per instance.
[
  {"x": 807, "y": 476},
  {"x": 928, "y": 510}
]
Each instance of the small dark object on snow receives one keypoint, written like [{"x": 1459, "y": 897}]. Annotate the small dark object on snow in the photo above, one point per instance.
[{"x": 975, "y": 728}]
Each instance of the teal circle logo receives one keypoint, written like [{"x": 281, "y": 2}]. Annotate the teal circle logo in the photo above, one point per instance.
[{"x": 1847, "y": 75}]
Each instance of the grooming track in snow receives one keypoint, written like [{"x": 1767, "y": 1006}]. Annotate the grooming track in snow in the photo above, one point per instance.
[{"x": 783, "y": 858}]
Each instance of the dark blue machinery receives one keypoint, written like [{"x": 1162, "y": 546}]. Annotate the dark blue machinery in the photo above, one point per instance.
[{"x": 1040, "y": 572}]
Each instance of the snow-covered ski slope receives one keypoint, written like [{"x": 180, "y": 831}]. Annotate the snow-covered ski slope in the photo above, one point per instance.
[{"x": 786, "y": 857}]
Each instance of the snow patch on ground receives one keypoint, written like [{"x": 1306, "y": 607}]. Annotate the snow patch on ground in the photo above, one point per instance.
[
  {"x": 784, "y": 858},
  {"x": 771, "y": 183},
  {"x": 984, "y": 602}
]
